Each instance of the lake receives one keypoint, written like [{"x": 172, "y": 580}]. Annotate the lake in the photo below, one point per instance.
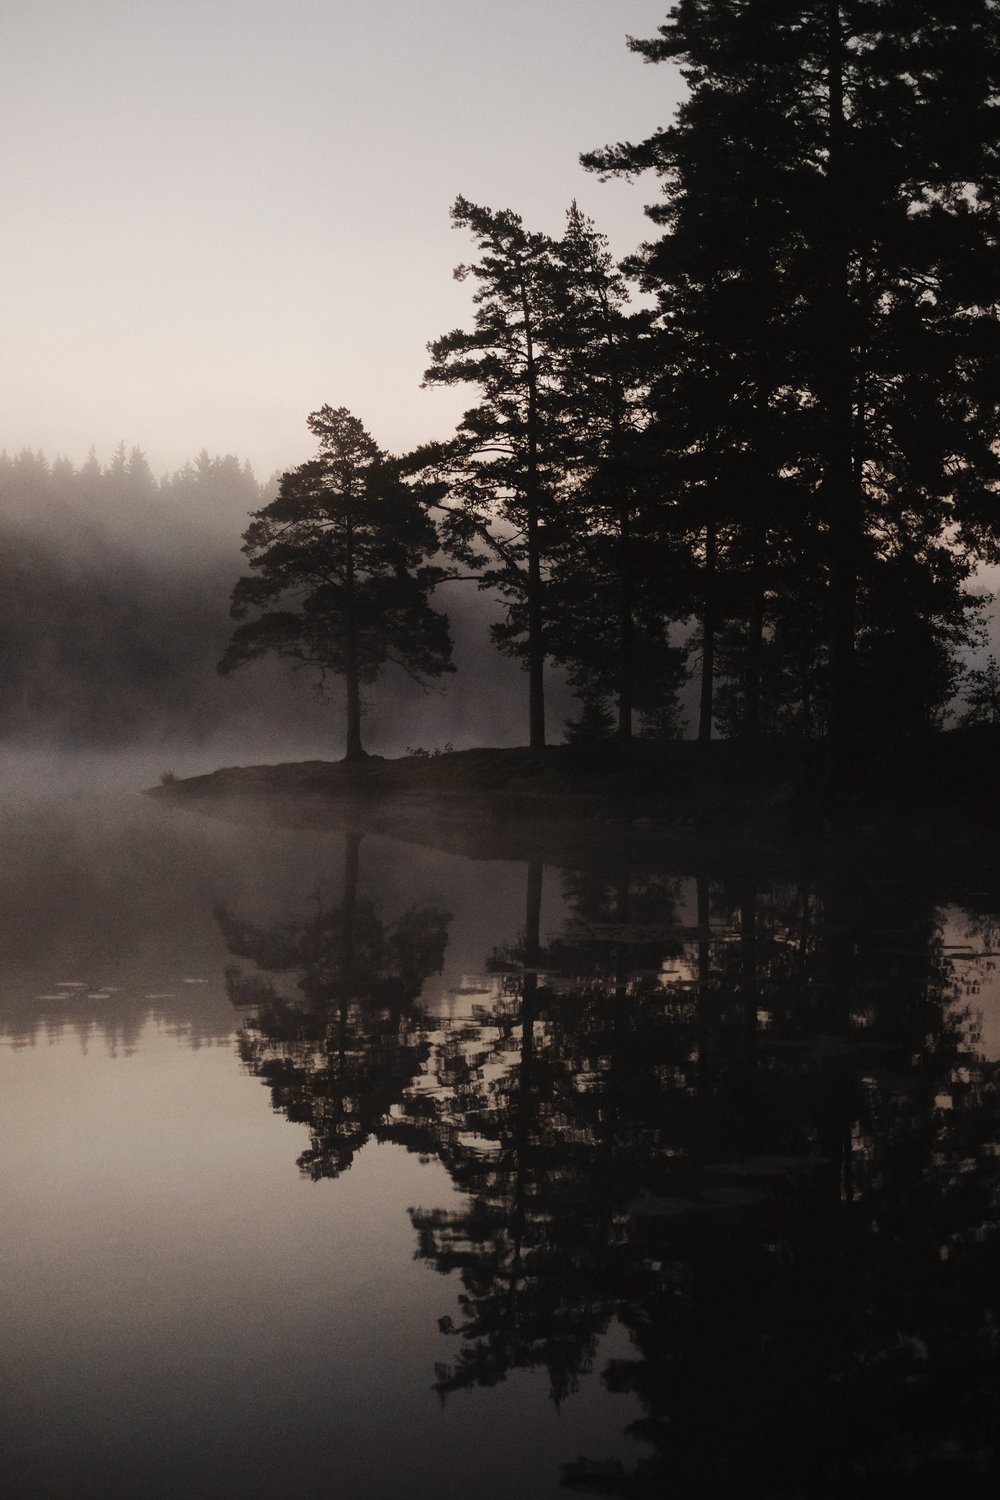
[{"x": 341, "y": 1165}]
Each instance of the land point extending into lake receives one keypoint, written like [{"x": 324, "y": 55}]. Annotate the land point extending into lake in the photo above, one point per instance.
[{"x": 772, "y": 800}]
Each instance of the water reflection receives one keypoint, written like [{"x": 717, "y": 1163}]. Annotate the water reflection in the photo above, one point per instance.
[
  {"x": 340, "y": 1053},
  {"x": 747, "y": 1118},
  {"x": 712, "y": 1156}
]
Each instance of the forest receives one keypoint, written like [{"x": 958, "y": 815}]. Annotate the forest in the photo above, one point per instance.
[{"x": 752, "y": 468}]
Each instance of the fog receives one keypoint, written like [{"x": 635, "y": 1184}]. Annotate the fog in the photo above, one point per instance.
[
  {"x": 109, "y": 899},
  {"x": 114, "y": 612}
]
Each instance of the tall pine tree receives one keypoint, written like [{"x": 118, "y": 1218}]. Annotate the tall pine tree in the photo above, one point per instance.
[
  {"x": 829, "y": 286},
  {"x": 340, "y": 571}
]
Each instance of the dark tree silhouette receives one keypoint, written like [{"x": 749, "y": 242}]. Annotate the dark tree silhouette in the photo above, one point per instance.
[
  {"x": 982, "y": 695},
  {"x": 343, "y": 552},
  {"x": 340, "y": 1053},
  {"x": 503, "y": 468},
  {"x": 828, "y": 285},
  {"x": 827, "y": 1285},
  {"x": 765, "y": 1144},
  {"x": 613, "y": 585}
]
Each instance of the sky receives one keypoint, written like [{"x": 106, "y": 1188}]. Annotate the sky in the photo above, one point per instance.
[{"x": 219, "y": 215}]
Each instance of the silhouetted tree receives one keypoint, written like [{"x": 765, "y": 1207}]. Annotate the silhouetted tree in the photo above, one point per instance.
[
  {"x": 826, "y": 1273},
  {"x": 828, "y": 289},
  {"x": 344, "y": 549},
  {"x": 982, "y": 694},
  {"x": 339, "y": 1054},
  {"x": 613, "y": 584},
  {"x": 503, "y": 467}
]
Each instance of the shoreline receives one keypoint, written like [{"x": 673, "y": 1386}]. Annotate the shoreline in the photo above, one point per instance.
[{"x": 930, "y": 807}]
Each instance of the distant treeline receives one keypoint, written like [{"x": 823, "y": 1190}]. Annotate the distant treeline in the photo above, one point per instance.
[
  {"x": 114, "y": 614},
  {"x": 112, "y": 608}
]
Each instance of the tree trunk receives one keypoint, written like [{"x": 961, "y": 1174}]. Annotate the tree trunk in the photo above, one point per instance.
[
  {"x": 354, "y": 749},
  {"x": 840, "y": 921},
  {"x": 761, "y": 499},
  {"x": 526, "y": 1107},
  {"x": 623, "y": 915},
  {"x": 352, "y": 861},
  {"x": 842, "y": 496},
  {"x": 706, "y": 1009},
  {"x": 533, "y": 914},
  {"x": 749, "y": 998},
  {"x": 626, "y": 664},
  {"x": 755, "y": 645},
  {"x": 352, "y": 679},
  {"x": 626, "y": 627},
  {"x": 536, "y": 649},
  {"x": 346, "y": 976},
  {"x": 705, "y": 712}
]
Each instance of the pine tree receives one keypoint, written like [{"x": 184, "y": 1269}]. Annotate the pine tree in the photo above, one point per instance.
[
  {"x": 828, "y": 287},
  {"x": 614, "y": 583},
  {"x": 341, "y": 572},
  {"x": 982, "y": 695},
  {"x": 502, "y": 468}
]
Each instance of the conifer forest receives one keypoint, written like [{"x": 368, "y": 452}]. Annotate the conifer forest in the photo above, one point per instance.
[
  {"x": 742, "y": 484},
  {"x": 500, "y": 902}
]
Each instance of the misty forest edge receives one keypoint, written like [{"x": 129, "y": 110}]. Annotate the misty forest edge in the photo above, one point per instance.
[{"x": 779, "y": 472}]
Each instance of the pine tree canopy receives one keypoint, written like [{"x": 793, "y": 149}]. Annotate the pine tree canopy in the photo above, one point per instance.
[{"x": 340, "y": 575}]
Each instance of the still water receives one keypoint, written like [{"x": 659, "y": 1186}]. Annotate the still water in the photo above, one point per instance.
[{"x": 337, "y": 1165}]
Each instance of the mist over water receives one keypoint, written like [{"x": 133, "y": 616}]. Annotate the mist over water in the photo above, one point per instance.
[{"x": 130, "y": 661}]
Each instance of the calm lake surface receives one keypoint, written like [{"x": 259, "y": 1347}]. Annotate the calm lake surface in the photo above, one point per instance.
[{"x": 338, "y": 1165}]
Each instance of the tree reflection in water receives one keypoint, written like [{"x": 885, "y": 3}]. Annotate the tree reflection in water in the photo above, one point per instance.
[
  {"x": 764, "y": 1142},
  {"x": 340, "y": 1053}
]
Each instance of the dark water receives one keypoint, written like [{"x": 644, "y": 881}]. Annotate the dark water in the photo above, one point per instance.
[{"x": 335, "y": 1165}]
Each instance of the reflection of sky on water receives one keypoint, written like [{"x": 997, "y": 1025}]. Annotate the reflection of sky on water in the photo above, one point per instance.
[
  {"x": 704, "y": 1058},
  {"x": 974, "y": 948},
  {"x": 115, "y": 895},
  {"x": 186, "y": 1315}
]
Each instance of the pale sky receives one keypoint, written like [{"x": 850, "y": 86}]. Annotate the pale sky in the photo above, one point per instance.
[{"x": 220, "y": 214}]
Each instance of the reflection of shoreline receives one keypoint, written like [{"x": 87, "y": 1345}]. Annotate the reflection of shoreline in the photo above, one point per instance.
[
  {"x": 736, "y": 1115},
  {"x": 645, "y": 802}
]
